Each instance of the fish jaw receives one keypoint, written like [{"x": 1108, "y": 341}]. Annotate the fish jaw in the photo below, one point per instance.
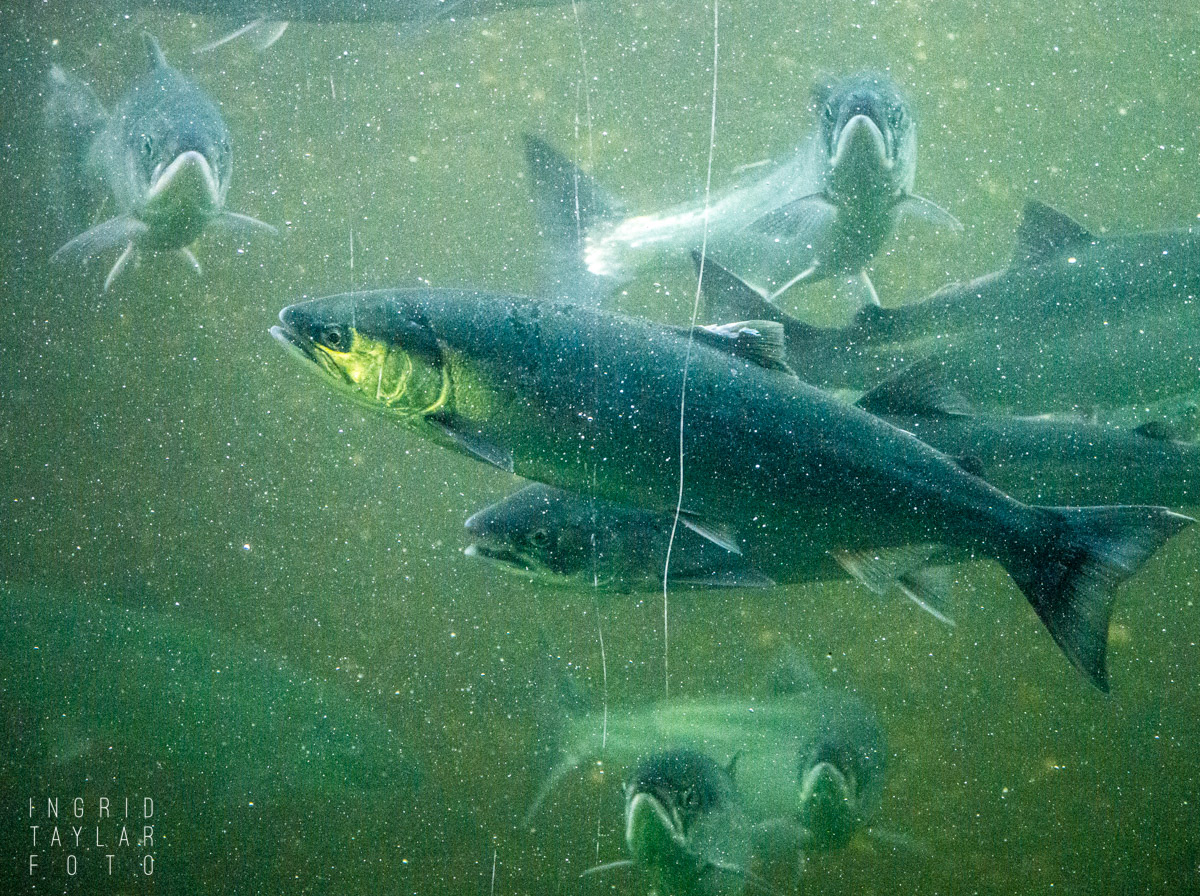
[
  {"x": 298, "y": 342},
  {"x": 654, "y": 835},
  {"x": 501, "y": 555},
  {"x": 828, "y": 808},
  {"x": 183, "y": 196},
  {"x": 862, "y": 163}
]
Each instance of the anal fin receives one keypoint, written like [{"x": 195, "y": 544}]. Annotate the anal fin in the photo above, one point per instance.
[{"x": 903, "y": 568}]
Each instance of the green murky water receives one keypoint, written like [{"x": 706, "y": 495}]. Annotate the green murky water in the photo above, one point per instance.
[{"x": 162, "y": 457}]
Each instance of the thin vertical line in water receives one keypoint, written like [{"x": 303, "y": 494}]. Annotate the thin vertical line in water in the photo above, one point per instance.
[
  {"x": 599, "y": 619},
  {"x": 352, "y": 258},
  {"x": 494, "y": 854},
  {"x": 687, "y": 358},
  {"x": 587, "y": 105},
  {"x": 585, "y": 88}
]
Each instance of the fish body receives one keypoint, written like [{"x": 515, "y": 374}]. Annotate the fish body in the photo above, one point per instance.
[
  {"x": 264, "y": 21},
  {"x": 1075, "y": 320},
  {"x": 588, "y": 401},
  {"x": 1046, "y": 459},
  {"x": 823, "y": 213},
  {"x": 92, "y": 687},
  {"x": 163, "y": 158},
  {"x": 860, "y": 170},
  {"x": 591, "y": 543},
  {"x": 578, "y": 541},
  {"x": 812, "y": 758},
  {"x": 685, "y": 825}
]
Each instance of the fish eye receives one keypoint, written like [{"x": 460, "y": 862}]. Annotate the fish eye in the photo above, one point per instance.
[
  {"x": 691, "y": 798},
  {"x": 147, "y": 145},
  {"x": 540, "y": 537},
  {"x": 334, "y": 337}
]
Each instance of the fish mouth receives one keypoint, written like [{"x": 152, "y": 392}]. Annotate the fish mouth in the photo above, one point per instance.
[
  {"x": 298, "y": 346},
  {"x": 496, "y": 554},
  {"x": 188, "y": 178},
  {"x": 651, "y": 827},
  {"x": 511, "y": 562},
  {"x": 863, "y": 143},
  {"x": 828, "y": 806},
  {"x": 826, "y": 779},
  {"x": 305, "y": 350}
]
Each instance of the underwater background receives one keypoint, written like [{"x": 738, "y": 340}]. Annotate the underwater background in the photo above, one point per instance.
[{"x": 174, "y": 486}]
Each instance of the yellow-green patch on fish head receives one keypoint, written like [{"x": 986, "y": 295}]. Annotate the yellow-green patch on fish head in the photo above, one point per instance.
[{"x": 395, "y": 365}]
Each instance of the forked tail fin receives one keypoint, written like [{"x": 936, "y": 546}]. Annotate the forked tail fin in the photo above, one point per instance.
[
  {"x": 1070, "y": 568},
  {"x": 569, "y": 203}
]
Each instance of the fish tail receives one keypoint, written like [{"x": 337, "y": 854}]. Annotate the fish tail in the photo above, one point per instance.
[
  {"x": 71, "y": 119},
  {"x": 569, "y": 201},
  {"x": 570, "y": 204},
  {"x": 1069, "y": 570}
]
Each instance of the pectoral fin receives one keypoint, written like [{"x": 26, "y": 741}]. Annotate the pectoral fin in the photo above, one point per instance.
[
  {"x": 607, "y": 867},
  {"x": 919, "y": 208},
  {"x": 471, "y": 443},
  {"x": 807, "y": 221},
  {"x": 243, "y": 225},
  {"x": 720, "y": 537},
  {"x": 191, "y": 259},
  {"x": 119, "y": 266},
  {"x": 261, "y": 32},
  {"x": 857, "y": 291},
  {"x": 929, "y": 588},
  {"x": 114, "y": 233},
  {"x": 761, "y": 342}
]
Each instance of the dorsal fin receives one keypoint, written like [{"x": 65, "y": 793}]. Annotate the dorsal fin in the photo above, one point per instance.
[
  {"x": 731, "y": 766},
  {"x": 761, "y": 342},
  {"x": 972, "y": 463},
  {"x": 154, "y": 51},
  {"x": 728, "y": 297},
  {"x": 793, "y": 674},
  {"x": 1178, "y": 425},
  {"x": 919, "y": 390},
  {"x": 1045, "y": 232}
]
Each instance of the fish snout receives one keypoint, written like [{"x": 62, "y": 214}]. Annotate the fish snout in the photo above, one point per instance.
[
  {"x": 863, "y": 144},
  {"x": 187, "y": 178}
]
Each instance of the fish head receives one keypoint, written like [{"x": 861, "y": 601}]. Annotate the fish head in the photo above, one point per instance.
[
  {"x": 868, "y": 136},
  {"x": 831, "y": 805},
  {"x": 683, "y": 820},
  {"x": 371, "y": 349},
  {"x": 177, "y": 153},
  {"x": 539, "y": 530}
]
